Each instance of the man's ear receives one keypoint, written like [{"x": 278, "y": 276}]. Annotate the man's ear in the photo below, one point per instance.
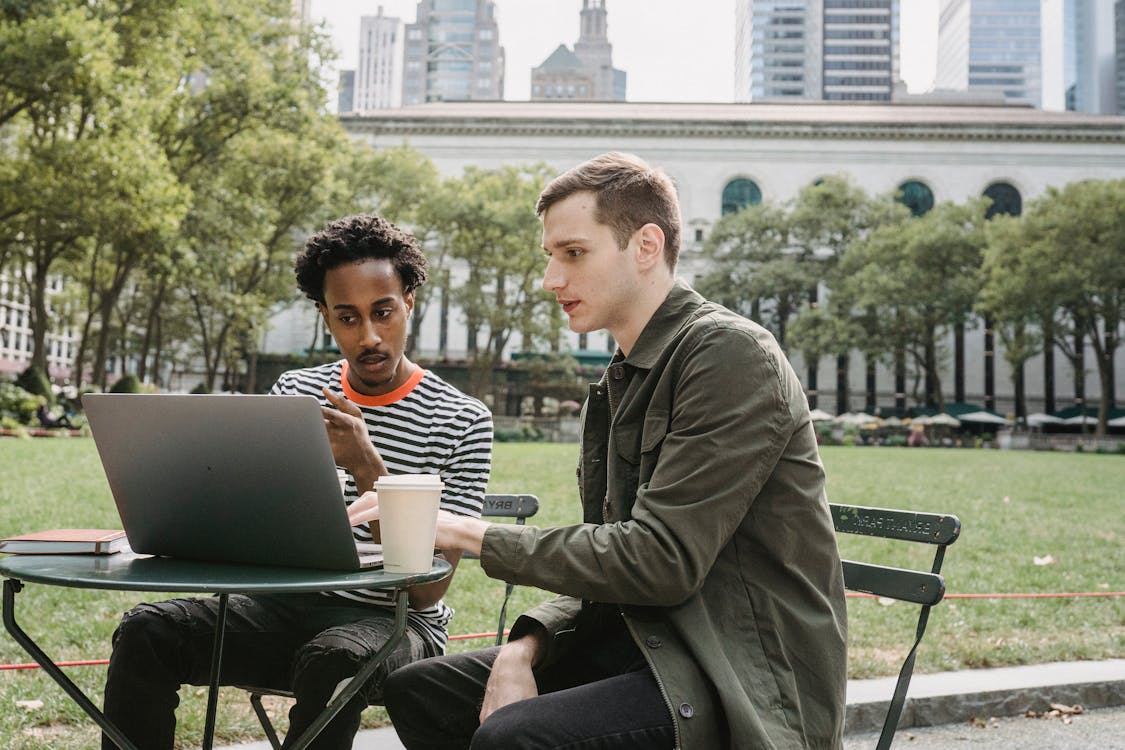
[
  {"x": 408, "y": 298},
  {"x": 323, "y": 309},
  {"x": 650, "y": 245}
]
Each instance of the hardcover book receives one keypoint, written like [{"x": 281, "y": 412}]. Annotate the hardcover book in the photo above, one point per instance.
[{"x": 67, "y": 541}]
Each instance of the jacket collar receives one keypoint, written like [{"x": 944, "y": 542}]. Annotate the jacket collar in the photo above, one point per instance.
[{"x": 672, "y": 315}]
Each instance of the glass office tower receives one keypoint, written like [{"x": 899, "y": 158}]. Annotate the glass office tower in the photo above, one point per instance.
[
  {"x": 992, "y": 46},
  {"x": 839, "y": 50},
  {"x": 453, "y": 53}
]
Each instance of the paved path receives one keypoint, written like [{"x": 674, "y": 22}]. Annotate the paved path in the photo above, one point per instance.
[{"x": 982, "y": 709}]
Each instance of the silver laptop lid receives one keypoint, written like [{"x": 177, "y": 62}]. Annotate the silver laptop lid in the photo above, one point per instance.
[{"x": 234, "y": 478}]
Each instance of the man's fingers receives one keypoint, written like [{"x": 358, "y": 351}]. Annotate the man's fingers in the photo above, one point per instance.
[
  {"x": 366, "y": 508},
  {"x": 342, "y": 404}
]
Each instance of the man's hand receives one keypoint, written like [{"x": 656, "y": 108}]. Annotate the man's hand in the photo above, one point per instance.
[
  {"x": 511, "y": 679},
  {"x": 454, "y": 533},
  {"x": 351, "y": 446}
]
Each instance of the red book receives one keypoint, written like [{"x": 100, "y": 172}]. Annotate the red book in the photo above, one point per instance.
[{"x": 67, "y": 541}]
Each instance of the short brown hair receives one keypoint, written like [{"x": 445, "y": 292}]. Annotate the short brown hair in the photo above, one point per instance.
[{"x": 629, "y": 193}]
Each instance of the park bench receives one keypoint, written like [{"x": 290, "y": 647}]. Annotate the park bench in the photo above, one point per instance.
[
  {"x": 919, "y": 587},
  {"x": 518, "y": 508}
]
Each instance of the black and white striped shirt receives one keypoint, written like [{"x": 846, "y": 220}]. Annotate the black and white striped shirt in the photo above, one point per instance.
[{"x": 425, "y": 426}]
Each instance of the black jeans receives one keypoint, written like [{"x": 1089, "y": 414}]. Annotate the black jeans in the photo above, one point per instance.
[
  {"x": 306, "y": 643},
  {"x": 600, "y": 697}
]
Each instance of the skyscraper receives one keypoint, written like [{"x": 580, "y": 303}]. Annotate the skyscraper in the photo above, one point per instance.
[
  {"x": 453, "y": 52},
  {"x": 345, "y": 92},
  {"x": 1088, "y": 56},
  {"x": 777, "y": 45},
  {"x": 1120, "y": 66},
  {"x": 587, "y": 72},
  {"x": 841, "y": 50},
  {"x": 861, "y": 49},
  {"x": 991, "y": 45},
  {"x": 378, "y": 76}
]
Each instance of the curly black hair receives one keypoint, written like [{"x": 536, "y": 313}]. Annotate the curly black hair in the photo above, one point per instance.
[{"x": 357, "y": 238}]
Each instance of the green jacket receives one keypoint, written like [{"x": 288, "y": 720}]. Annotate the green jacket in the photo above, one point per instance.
[{"x": 706, "y": 521}]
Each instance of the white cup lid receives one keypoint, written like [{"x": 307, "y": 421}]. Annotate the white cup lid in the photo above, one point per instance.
[{"x": 409, "y": 480}]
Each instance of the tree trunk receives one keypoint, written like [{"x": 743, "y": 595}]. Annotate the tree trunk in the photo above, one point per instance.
[
  {"x": 989, "y": 365},
  {"x": 959, "y": 362},
  {"x": 1021, "y": 397},
  {"x": 842, "y": 402}
]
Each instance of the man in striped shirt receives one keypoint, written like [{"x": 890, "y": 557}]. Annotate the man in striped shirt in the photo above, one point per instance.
[{"x": 384, "y": 415}]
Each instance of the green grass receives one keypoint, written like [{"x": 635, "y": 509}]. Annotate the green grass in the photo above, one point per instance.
[{"x": 1015, "y": 506}]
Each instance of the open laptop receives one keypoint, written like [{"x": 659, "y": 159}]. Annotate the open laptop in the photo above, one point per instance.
[{"x": 229, "y": 478}]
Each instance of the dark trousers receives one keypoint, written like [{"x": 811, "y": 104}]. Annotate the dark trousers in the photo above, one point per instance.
[
  {"x": 306, "y": 643},
  {"x": 601, "y": 697}
]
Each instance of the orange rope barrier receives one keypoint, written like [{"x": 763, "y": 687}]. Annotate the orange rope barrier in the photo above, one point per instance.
[
  {"x": 33, "y": 665},
  {"x": 849, "y": 594},
  {"x": 1059, "y": 595}
]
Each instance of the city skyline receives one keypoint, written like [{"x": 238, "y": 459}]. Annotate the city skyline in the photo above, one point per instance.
[
  {"x": 669, "y": 55},
  {"x": 685, "y": 68}
]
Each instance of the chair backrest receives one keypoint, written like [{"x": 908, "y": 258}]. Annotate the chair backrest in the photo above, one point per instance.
[
  {"x": 924, "y": 588},
  {"x": 520, "y": 508}
]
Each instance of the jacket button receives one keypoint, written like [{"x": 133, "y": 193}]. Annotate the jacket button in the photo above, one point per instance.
[
  {"x": 687, "y": 710},
  {"x": 618, "y": 372},
  {"x": 653, "y": 642}
]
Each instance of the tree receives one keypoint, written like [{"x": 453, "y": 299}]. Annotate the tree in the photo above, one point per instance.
[
  {"x": 1017, "y": 316},
  {"x": 753, "y": 269},
  {"x": 918, "y": 277},
  {"x": 1072, "y": 263},
  {"x": 487, "y": 221},
  {"x": 826, "y": 218}
]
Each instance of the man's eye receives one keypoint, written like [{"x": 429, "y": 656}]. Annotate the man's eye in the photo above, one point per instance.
[
  {"x": 346, "y": 319},
  {"x": 574, "y": 252}
]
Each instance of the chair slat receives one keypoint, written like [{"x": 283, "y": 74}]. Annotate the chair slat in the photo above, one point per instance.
[
  {"x": 907, "y": 525},
  {"x": 895, "y": 583},
  {"x": 510, "y": 506}
]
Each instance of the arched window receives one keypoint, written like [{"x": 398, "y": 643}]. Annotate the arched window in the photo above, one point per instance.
[
  {"x": 916, "y": 196},
  {"x": 740, "y": 193},
  {"x": 1005, "y": 200}
]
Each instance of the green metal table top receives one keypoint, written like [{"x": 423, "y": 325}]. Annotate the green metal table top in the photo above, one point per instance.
[{"x": 126, "y": 571}]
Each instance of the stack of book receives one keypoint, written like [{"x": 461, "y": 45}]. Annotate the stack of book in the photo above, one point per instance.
[{"x": 67, "y": 541}]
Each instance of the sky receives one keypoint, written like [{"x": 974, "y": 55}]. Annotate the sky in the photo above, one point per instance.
[{"x": 669, "y": 53}]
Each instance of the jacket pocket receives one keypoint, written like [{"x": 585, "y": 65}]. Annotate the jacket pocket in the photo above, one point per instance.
[{"x": 655, "y": 430}]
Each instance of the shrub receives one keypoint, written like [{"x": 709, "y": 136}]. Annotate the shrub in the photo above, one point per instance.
[
  {"x": 34, "y": 380},
  {"x": 200, "y": 388},
  {"x": 126, "y": 384},
  {"x": 18, "y": 403}
]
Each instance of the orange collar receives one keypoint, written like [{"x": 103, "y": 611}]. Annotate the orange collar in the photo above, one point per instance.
[{"x": 383, "y": 399}]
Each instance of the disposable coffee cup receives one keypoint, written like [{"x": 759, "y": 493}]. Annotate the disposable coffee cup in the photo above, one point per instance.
[{"x": 408, "y": 508}]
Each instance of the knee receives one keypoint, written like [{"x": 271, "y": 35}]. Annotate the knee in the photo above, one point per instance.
[
  {"x": 401, "y": 690},
  {"x": 504, "y": 729},
  {"x": 418, "y": 696},
  {"x": 144, "y": 624}
]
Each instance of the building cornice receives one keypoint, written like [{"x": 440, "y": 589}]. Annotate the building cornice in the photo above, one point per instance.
[{"x": 741, "y": 121}]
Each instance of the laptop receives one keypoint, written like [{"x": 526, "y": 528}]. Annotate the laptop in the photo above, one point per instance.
[{"x": 226, "y": 478}]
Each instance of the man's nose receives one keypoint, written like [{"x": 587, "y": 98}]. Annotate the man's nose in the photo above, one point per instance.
[
  {"x": 370, "y": 333},
  {"x": 552, "y": 277}
]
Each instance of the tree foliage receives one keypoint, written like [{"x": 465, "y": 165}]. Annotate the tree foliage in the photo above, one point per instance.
[{"x": 1061, "y": 267}]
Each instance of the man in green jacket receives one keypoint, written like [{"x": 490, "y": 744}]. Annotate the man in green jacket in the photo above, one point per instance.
[{"x": 702, "y": 600}]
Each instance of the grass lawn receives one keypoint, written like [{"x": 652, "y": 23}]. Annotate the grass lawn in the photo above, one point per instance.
[{"x": 1015, "y": 507}]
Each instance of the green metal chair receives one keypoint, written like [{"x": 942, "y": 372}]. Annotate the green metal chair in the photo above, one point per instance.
[
  {"x": 919, "y": 587},
  {"x": 516, "y": 507}
]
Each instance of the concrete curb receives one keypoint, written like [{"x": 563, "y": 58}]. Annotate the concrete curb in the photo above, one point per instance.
[
  {"x": 954, "y": 697},
  {"x": 933, "y": 699}
]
